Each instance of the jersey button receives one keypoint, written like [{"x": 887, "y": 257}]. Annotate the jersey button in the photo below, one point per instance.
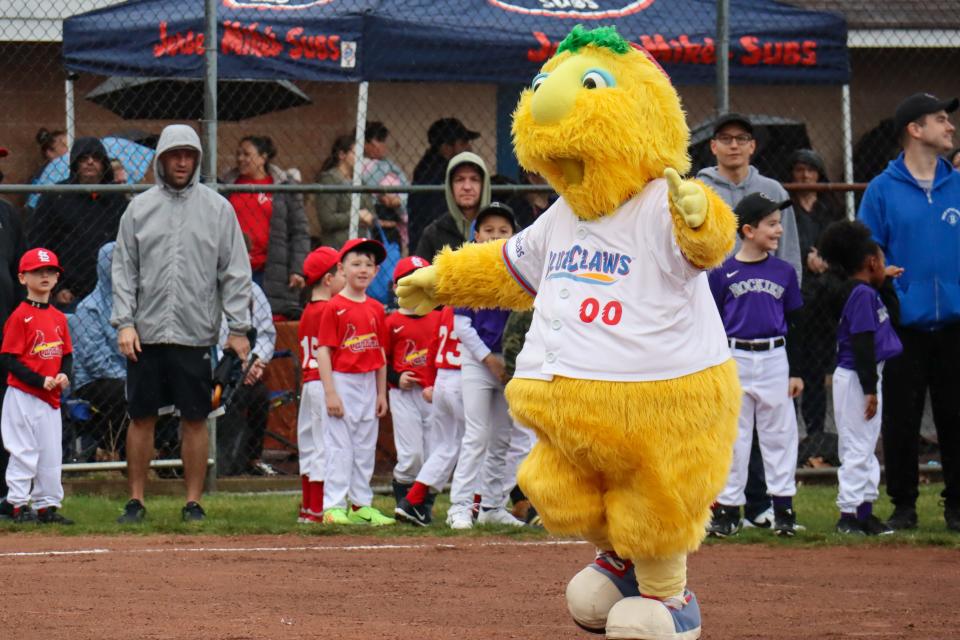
[
  {"x": 551, "y": 357},
  {"x": 581, "y": 233},
  {"x": 556, "y": 324},
  {"x": 564, "y": 293}
]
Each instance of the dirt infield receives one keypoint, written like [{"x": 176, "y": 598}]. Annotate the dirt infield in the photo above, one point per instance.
[{"x": 293, "y": 587}]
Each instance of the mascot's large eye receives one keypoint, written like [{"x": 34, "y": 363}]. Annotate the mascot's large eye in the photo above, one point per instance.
[
  {"x": 538, "y": 80},
  {"x": 596, "y": 79}
]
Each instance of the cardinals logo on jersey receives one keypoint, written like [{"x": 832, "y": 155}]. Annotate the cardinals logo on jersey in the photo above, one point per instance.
[
  {"x": 359, "y": 343},
  {"x": 413, "y": 356},
  {"x": 47, "y": 350}
]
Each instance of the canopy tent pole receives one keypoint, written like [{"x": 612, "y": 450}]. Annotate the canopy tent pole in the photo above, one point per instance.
[
  {"x": 70, "y": 126},
  {"x": 209, "y": 169},
  {"x": 848, "y": 148},
  {"x": 362, "y": 96},
  {"x": 723, "y": 57}
]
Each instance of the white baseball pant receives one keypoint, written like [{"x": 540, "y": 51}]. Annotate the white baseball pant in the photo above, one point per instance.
[
  {"x": 481, "y": 467},
  {"x": 411, "y": 432},
  {"x": 522, "y": 440},
  {"x": 859, "y": 473},
  {"x": 32, "y": 433},
  {"x": 350, "y": 442},
  {"x": 313, "y": 408},
  {"x": 446, "y": 430},
  {"x": 764, "y": 376}
]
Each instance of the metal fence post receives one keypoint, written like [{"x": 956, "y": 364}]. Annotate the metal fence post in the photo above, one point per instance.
[
  {"x": 209, "y": 169},
  {"x": 723, "y": 57}
]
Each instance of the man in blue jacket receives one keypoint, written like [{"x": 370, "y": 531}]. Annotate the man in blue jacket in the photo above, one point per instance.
[{"x": 913, "y": 210}]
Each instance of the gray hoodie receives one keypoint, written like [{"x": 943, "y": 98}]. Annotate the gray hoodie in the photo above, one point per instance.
[
  {"x": 732, "y": 194},
  {"x": 180, "y": 260}
]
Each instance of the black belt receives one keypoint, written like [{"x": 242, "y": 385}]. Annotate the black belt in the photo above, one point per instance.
[{"x": 765, "y": 345}]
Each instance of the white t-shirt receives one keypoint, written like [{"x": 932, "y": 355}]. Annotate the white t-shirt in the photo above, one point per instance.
[{"x": 615, "y": 297}]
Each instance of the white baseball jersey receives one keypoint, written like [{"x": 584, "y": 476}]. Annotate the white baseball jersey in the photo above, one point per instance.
[{"x": 615, "y": 297}]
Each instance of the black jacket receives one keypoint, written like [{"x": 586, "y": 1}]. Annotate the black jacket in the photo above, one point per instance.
[
  {"x": 76, "y": 225},
  {"x": 424, "y": 208},
  {"x": 11, "y": 248},
  {"x": 440, "y": 233}
]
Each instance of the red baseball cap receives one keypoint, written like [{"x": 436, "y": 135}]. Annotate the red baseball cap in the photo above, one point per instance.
[
  {"x": 408, "y": 265},
  {"x": 39, "y": 258},
  {"x": 318, "y": 262},
  {"x": 364, "y": 244},
  {"x": 4, "y": 152}
]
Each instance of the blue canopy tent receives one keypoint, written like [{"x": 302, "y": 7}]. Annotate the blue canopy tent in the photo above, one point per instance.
[{"x": 491, "y": 41}]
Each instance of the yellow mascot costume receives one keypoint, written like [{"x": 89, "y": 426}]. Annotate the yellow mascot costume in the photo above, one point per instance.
[{"x": 625, "y": 375}]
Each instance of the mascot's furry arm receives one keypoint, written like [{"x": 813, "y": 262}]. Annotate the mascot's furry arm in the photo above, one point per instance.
[
  {"x": 703, "y": 224},
  {"x": 473, "y": 276}
]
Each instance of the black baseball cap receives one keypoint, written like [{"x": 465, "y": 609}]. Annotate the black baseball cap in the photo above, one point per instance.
[
  {"x": 755, "y": 207},
  {"x": 449, "y": 130},
  {"x": 497, "y": 209},
  {"x": 919, "y": 105},
  {"x": 732, "y": 118}
]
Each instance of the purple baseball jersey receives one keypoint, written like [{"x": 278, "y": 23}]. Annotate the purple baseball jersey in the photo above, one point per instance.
[
  {"x": 754, "y": 298},
  {"x": 864, "y": 311}
]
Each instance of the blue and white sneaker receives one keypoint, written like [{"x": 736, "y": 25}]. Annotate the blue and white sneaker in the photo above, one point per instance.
[
  {"x": 675, "y": 618},
  {"x": 620, "y": 572},
  {"x": 598, "y": 587}
]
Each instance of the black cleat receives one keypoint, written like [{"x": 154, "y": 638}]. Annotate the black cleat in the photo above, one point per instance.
[
  {"x": 51, "y": 515},
  {"x": 133, "y": 513},
  {"x": 23, "y": 514},
  {"x": 850, "y": 527},
  {"x": 415, "y": 514},
  {"x": 903, "y": 518},
  {"x": 725, "y": 522},
  {"x": 6, "y": 511},
  {"x": 874, "y": 526},
  {"x": 192, "y": 512},
  {"x": 785, "y": 523}
]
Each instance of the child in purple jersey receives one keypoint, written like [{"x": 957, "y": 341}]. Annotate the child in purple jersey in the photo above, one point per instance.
[
  {"x": 865, "y": 340},
  {"x": 757, "y": 295}
]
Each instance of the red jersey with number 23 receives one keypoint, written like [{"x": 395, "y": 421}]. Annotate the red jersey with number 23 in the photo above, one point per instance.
[
  {"x": 412, "y": 344},
  {"x": 448, "y": 344},
  {"x": 354, "y": 331},
  {"x": 39, "y": 338},
  {"x": 308, "y": 334}
]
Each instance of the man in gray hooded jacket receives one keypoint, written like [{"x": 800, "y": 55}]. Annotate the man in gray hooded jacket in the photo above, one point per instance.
[{"x": 179, "y": 261}]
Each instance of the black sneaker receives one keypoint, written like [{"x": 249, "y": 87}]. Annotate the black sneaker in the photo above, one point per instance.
[
  {"x": 533, "y": 518},
  {"x": 51, "y": 515},
  {"x": 192, "y": 512},
  {"x": 23, "y": 514},
  {"x": 874, "y": 526},
  {"x": 785, "y": 522},
  {"x": 415, "y": 514},
  {"x": 725, "y": 522},
  {"x": 6, "y": 510},
  {"x": 850, "y": 527},
  {"x": 903, "y": 518},
  {"x": 952, "y": 517},
  {"x": 133, "y": 513}
]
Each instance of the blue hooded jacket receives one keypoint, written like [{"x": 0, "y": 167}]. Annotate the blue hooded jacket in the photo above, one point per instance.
[
  {"x": 95, "y": 351},
  {"x": 919, "y": 231}
]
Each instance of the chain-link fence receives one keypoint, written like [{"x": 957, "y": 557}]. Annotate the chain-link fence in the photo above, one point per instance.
[{"x": 423, "y": 80}]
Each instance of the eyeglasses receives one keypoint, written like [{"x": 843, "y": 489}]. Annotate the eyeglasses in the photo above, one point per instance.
[{"x": 743, "y": 138}]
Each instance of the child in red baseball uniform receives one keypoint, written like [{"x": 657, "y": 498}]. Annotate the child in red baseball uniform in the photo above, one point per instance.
[
  {"x": 324, "y": 279},
  {"x": 411, "y": 348},
  {"x": 353, "y": 369},
  {"x": 36, "y": 352}
]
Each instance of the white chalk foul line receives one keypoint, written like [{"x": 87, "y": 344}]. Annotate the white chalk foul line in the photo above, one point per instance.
[{"x": 314, "y": 548}]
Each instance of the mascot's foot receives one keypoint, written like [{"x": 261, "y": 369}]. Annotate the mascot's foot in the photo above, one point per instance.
[
  {"x": 600, "y": 585},
  {"x": 643, "y": 618}
]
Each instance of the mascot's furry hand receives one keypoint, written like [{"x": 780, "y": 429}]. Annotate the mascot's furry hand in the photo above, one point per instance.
[
  {"x": 688, "y": 197},
  {"x": 418, "y": 291}
]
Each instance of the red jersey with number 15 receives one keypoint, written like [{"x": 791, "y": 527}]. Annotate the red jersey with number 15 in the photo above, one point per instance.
[
  {"x": 39, "y": 338},
  {"x": 412, "y": 344},
  {"x": 354, "y": 331},
  {"x": 448, "y": 344},
  {"x": 308, "y": 334}
]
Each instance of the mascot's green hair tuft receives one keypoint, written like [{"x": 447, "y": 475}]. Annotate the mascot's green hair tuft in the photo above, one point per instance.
[{"x": 599, "y": 37}]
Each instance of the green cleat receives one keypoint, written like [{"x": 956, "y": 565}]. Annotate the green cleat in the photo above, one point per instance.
[
  {"x": 370, "y": 516},
  {"x": 336, "y": 516}
]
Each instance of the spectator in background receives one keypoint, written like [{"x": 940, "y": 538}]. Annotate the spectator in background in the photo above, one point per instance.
[
  {"x": 11, "y": 293},
  {"x": 467, "y": 190},
  {"x": 99, "y": 369},
  {"x": 53, "y": 144},
  {"x": 245, "y": 422},
  {"x": 913, "y": 212},
  {"x": 76, "y": 225},
  {"x": 954, "y": 158},
  {"x": 815, "y": 329},
  {"x": 447, "y": 137},
  {"x": 529, "y": 205},
  {"x": 379, "y": 170},
  {"x": 167, "y": 318},
  {"x": 733, "y": 178},
  {"x": 331, "y": 226},
  {"x": 275, "y": 224}
]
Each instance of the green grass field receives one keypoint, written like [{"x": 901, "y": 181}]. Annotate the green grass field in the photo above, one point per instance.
[{"x": 273, "y": 514}]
